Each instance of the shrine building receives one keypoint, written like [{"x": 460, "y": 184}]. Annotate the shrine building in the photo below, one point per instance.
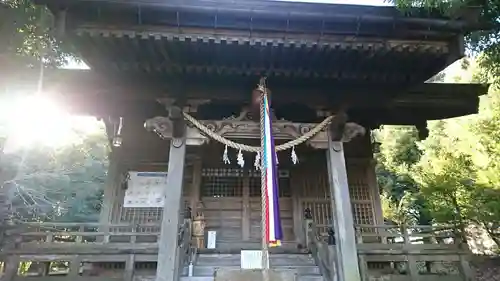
[{"x": 176, "y": 84}]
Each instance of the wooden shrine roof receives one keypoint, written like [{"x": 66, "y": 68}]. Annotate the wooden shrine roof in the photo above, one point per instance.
[
  {"x": 314, "y": 55},
  {"x": 358, "y": 44}
]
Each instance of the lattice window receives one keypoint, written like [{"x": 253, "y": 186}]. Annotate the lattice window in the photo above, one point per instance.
[
  {"x": 221, "y": 182},
  {"x": 284, "y": 188},
  {"x": 141, "y": 215},
  {"x": 311, "y": 181},
  {"x": 363, "y": 213},
  {"x": 358, "y": 185}
]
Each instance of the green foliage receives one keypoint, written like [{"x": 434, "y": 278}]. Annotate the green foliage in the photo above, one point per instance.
[
  {"x": 400, "y": 212},
  {"x": 63, "y": 184},
  {"x": 28, "y": 37},
  {"x": 398, "y": 154},
  {"x": 452, "y": 177}
]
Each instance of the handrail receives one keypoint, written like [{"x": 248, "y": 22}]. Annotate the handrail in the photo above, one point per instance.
[
  {"x": 319, "y": 250},
  {"x": 87, "y": 224},
  {"x": 392, "y": 233},
  {"x": 65, "y": 234},
  {"x": 397, "y": 241}
]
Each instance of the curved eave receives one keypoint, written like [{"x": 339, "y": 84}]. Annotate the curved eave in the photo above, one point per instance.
[
  {"x": 198, "y": 52},
  {"x": 464, "y": 20}
]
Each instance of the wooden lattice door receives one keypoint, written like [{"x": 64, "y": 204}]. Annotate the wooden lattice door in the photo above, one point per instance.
[{"x": 222, "y": 197}]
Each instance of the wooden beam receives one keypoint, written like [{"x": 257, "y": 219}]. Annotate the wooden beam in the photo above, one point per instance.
[
  {"x": 168, "y": 268},
  {"x": 347, "y": 257},
  {"x": 87, "y": 92},
  {"x": 111, "y": 186}
]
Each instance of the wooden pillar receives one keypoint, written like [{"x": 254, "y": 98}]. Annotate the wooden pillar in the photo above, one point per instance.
[
  {"x": 11, "y": 267},
  {"x": 411, "y": 259},
  {"x": 168, "y": 266},
  {"x": 347, "y": 254},
  {"x": 74, "y": 266},
  {"x": 375, "y": 193},
  {"x": 110, "y": 187},
  {"x": 465, "y": 268},
  {"x": 129, "y": 268}
]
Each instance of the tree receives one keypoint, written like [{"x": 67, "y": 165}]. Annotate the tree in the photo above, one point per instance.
[
  {"x": 448, "y": 179},
  {"x": 58, "y": 184},
  {"x": 453, "y": 175},
  {"x": 27, "y": 37},
  {"x": 398, "y": 154}
]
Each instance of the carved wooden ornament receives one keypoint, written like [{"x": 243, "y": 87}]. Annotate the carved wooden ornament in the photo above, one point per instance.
[{"x": 241, "y": 127}]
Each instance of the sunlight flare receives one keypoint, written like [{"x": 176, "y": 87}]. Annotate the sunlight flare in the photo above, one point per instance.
[{"x": 37, "y": 119}]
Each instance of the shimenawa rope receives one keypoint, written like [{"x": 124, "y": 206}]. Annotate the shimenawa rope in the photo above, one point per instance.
[{"x": 305, "y": 137}]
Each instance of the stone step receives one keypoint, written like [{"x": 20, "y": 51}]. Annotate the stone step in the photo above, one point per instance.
[
  {"x": 231, "y": 248},
  {"x": 310, "y": 278},
  {"x": 272, "y": 263},
  {"x": 211, "y": 278},
  {"x": 275, "y": 260},
  {"x": 210, "y": 270},
  {"x": 296, "y": 255}
]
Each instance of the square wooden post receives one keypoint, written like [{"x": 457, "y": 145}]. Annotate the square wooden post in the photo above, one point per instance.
[
  {"x": 111, "y": 185},
  {"x": 347, "y": 254},
  {"x": 129, "y": 268},
  {"x": 11, "y": 268},
  {"x": 168, "y": 266}
]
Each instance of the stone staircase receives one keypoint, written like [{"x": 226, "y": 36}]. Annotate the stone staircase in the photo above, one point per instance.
[{"x": 207, "y": 264}]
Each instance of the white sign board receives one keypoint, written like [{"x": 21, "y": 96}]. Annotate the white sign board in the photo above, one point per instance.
[
  {"x": 251, "y": 259},
  {"x": 145, "y": 190},
  {"x": 211, "y": 238}
]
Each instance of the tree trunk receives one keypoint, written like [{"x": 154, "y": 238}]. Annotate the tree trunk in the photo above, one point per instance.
[{"x": 459, "y": 220}]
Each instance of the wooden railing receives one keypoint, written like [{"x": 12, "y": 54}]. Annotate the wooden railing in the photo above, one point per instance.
[
  {"x": 57, "y": 235},
  {"x": 406, "y": 238},
  {"x": 382, "y": 245},
  {"x": 75, "y": 244},
  {"x": 93, "y": 242}
]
